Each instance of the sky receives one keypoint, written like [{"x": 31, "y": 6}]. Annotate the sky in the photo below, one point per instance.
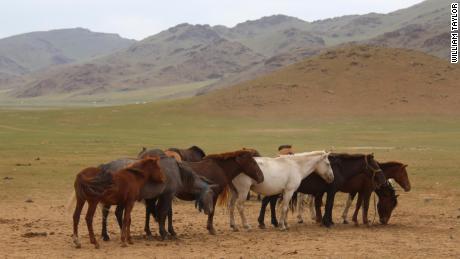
[{"x": 138, "y": 19}]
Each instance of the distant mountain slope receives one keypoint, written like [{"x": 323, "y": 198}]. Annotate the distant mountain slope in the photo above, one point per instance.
[
  {"x": 218, "y": 56},
  {"x": 349, "y": 80},
  {"x": 182, "y": 54},
  {"x": 33, "y": 51}
]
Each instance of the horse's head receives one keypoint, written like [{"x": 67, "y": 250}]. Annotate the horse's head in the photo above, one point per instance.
[
  {"x": 387, "y": 202},
  {"x": 250, "y": 167},
  {"x": 150, "y": 166},
  {"x": 402, "y": 178},
  {"x": 373, "y": 168},
  {"x": 324, "y": 169}
]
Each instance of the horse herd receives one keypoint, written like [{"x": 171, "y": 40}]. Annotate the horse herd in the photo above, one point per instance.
[{"x": 157, "y": 176}]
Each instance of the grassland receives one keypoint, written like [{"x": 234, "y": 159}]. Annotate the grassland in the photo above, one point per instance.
[{"x": 66, "y": 140}]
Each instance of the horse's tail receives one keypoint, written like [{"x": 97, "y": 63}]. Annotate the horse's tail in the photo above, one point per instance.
[
  {"x": 71, "y": 202},
  {"x": 293, "y": 203},
  {"x": 222, "y": 200},
  {"x": 91, "y": 183}
]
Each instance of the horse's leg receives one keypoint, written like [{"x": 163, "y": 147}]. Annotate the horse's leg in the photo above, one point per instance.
[
  {"x": 210, "y": 225},
  {"x": 240, "y": 206},
  {"x": 263, "y": 207},
  {"x": 287, "y": 196},
  {"x": 273, "y": 200},
  {"x": 318, "y": 203},
  {"x": 105, "y": 214},
  {"x": 311, "y": 206},
  {"x": 149, "y": 206},
  {"x": 164, "y": 204},
  {"x": 92, "y": 206},
  {"x": 327, "y": 219},
  {"x": 351, "y": 196},
  {"x": 170, "y": 223},
  {"x": 358, "y": 205},
  {"x": 231, "y": 205},
  {"x": 366, "y": 198},
  {"x": 76, "y": 221},
  {"x": 300, "y": 198},
  {"x": 125, "y": 229}
]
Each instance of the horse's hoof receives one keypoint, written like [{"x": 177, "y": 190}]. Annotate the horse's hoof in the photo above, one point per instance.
[
  {"x": 106, "y": 238},
  {"x": 130, "y": 242},
  {"x": 123, "y": 244},
  {"x": 300, "y": 221},
  {"x": 262, "y": 226},
  {"x": 247, "y": 227},
  {"x": 275, "y": 224},
  {"x": 345, "y": 221},
  {"x": 283, "y": 229},
  {"x": 212, "y": 231},
  {"x": 96, "y": 246},
  {"x": 149, "y": 237}
]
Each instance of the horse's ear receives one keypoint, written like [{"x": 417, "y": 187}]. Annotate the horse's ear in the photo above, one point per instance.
[
  {"x": 397, "y": 195},
  {"x": 404, "y": 166}
]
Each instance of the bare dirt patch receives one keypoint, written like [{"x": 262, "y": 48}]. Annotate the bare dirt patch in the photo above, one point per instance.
[{"x": 420, "y": 227}]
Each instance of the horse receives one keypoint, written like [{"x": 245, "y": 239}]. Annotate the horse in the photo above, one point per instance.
[
  {"x": 345, "y": 167},
  {"x": 124, "y": 187},
  {"x": 180, "y": 180},
  {"x": 391, "y": 170},
  {"x": 388, "y": 200},
  {"x": 191, "y": 154},
  {"x": 222, "y": 168},
  {"x": 281, "y": 175}
]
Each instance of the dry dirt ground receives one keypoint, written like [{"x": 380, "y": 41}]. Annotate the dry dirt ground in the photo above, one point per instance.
[{"x": 425, "y": 224}]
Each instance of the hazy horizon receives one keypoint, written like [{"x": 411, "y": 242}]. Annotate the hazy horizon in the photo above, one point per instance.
[{"x": 142, "y": 18}]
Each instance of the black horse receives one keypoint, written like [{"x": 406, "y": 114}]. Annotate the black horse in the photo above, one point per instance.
[
  {"x": 180, "y": 179},
  {"x": 345, "y": 167}
]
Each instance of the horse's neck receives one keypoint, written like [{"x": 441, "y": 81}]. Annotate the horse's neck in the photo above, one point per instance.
[
  {"x": 391, "y": 171},
  {"x": 352, "y": 167},
  {"x": 307, "y": 165},
  {"x": 230, "y": 167}
]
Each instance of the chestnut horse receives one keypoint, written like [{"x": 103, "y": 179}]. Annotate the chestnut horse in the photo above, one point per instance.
[
  {"x": 345, "y": 167},
  {"x": 123, "y": 187},
  {"x": 221, "y": 169},
  {"x": 392, "y": 170}
]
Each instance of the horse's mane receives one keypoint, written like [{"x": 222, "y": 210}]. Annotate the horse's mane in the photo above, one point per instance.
[
  {"x": 312, "y": 153},
  {"x": 227, "y": 155},
  {"x": 186, "y": 174},
  {"x": 135, "y": 171},
  {"x": 385, "y": 165},
  {"x": 350, "y": 156},
  {"x": 198, "y": 149}
]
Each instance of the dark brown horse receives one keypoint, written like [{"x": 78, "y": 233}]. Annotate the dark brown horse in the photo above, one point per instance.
[
  {"x": 123, "y": 187},
  {"x": 391, "y": 170},
  {"x": 221, "y": 169}
]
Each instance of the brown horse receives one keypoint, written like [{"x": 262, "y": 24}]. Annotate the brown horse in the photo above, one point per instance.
[
  {"x": 391, "y": 170},
  {"x": 122, "y": 187},
  {"x": 191, "y": 154},
  {"x": 221, "y": 169}
]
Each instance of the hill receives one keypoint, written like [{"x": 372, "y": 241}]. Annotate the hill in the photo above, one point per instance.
[
  {"x": 26, "y": 53},
  {"x": 215, "y": 57},
  {"x": 358, "y": 80}
]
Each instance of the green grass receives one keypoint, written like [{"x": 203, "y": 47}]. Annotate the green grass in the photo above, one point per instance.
[
  {"x": 79, "y": 99},
  {"x": 67, "y": 140}
]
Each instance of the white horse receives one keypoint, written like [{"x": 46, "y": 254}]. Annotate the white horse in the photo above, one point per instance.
[{"x": 281, "y": 175}]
